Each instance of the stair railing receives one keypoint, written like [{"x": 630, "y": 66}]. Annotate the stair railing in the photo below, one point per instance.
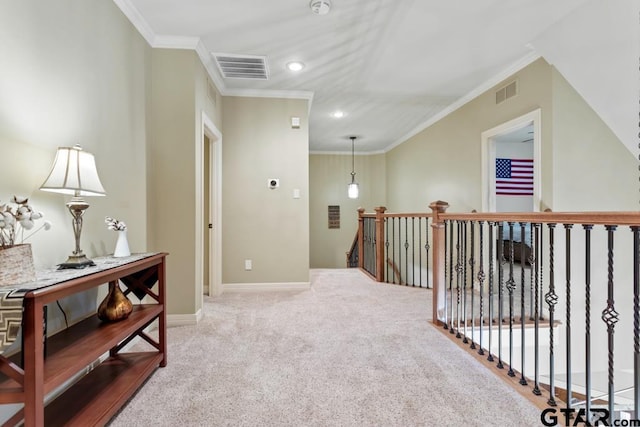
[{"x": 541, "y": 295}]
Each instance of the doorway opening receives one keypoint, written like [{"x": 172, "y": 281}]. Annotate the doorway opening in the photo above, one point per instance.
[
  {"x": 209, "y": 211},
  {"x": 511, "y": 155}
]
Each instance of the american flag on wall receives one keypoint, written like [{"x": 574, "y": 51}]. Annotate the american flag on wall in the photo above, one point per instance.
[{"x": 514, "y": 177}]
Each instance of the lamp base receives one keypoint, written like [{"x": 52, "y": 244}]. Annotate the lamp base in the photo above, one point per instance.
[{"x": 76, "y": 261}]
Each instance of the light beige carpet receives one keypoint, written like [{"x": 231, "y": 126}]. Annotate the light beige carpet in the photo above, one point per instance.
[{"x": 347, "y": 352}]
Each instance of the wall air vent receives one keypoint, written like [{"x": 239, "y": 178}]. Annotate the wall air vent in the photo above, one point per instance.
[
  {"x": 242, "y": 66},
  {"x": 506, "y": 92}
]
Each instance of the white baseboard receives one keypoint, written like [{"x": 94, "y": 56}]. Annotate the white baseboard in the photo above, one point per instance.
[
  {"x": 184, "y": 319},
  {"x": 270, "y": 287}
]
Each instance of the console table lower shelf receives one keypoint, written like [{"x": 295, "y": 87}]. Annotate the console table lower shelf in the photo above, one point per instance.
[{"x": 98, "y": 395}]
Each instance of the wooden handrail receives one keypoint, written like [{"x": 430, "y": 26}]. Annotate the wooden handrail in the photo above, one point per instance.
[{"x": 593, "y": 218}]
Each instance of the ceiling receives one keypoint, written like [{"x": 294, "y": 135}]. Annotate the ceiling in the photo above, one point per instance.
[{"x": 392, "y": 66}]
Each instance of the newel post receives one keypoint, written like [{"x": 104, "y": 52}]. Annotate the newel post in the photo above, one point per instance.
[
  {"x": 360, "y": 238},
  {"x": 439, "y": 287},
  {"x": 380, "y": 243}
]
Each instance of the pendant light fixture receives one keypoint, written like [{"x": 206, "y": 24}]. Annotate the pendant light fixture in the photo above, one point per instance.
[{"x": 352, "y": 190}]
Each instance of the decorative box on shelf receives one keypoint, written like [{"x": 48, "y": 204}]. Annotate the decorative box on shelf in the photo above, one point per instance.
[{"x": 16, "y": 265}]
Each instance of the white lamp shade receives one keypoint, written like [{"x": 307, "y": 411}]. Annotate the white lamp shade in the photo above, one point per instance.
[
  {"x": 74, "y": 172},
  {"x": 352, "y": 190}
]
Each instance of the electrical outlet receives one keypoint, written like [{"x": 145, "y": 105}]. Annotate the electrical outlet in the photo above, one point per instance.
[{"x": 247, "y": 264}]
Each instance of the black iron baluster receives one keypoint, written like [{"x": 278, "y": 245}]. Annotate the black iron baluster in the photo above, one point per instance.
[
  {"x": 472, "y": 262},
  {"x": 551, "y": 299},
  {"x": 458, "y": 278},
  {"x": 420, "y": 249},
  {"x": 399, "y": 266},
  {"x": 393, "y": 248},
  {"x": 491, "y": 279},
  {"x": 511, "y": 285},
  {"x": 534, "y": 265},
  {"x": 636, "y": 320},
  {"x": 406, "y": 252},
  {"x": 500, "y": 286},
  {"x": 523, "y": 380},
  {"x": 426, "y": 248},
  {"x": 532, "y": 260},
  {"x": 447, "y": 273},
  {"x": 481, "y": 278},
  {"x": 567, "y": 256},
  {"x": 374, "y": 264},
  {"x": 413, "y": 252},
  {"x": 386, "y": 248},
  {"x": 610, "y": 317},
  {"x": 451, "y": 268},
  {"x": 587, "y": 315},
  {"x": 541, "y": 269},
  {"x": 464, "y": 281}
]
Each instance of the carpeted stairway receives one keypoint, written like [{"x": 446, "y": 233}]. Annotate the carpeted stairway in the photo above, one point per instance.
[{"x": 347, "y": 352}]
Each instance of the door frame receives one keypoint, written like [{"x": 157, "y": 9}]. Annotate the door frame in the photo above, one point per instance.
[
  {"x": 488, "y": 158},
  {"x": 209, "y": 129}
]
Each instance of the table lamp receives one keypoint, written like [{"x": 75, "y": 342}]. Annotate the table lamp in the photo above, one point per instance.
[{"x": 74, "y": 172}]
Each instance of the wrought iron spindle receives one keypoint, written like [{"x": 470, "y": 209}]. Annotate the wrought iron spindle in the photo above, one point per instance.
[
  {"x": 481, "y": 278},
  {"x": 636, "y": 320},
  {"x": 500, "y": 285},
  {"x": 491, "y": 279},
  {"x": 551, "y": 299},
  {"x": 451, "y": 269},
  {"x": 523, "y": 380},
  {"x": 373, "y": 248},
  {"x": 472, "y": 262},
  {"x": 511, "y": 285},
  {"x": 610, "y": 317},
  {"x": 541, "y": 270},
  {"x": 587, "y": 315},
  {"x": 426, "y": 248},
  {"x": 532, "y": 260},
  {"x": 399, "y": 266},
  {"x": 420, "y": 249},
  {"x": 534, "y": 266},
  {"x": 464, "y": 281},
  {"x": 458, "y": 278},
  {"x": 447, "y": 273},
  {"x": 567, "y": 257},
  {"x": 413, "y": 252},
  {"x": 386, "y": 248},
  {"x": 393, "y": 248},
  {"x": 406, "y": 251}
]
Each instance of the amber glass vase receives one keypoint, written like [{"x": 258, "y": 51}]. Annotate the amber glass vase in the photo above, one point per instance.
[{"x": 116, "y": 306}]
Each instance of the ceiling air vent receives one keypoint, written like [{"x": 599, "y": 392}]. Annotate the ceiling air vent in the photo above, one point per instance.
[
  {"x": 506, "y": 92},
  {"x": 242, "y": 66}
]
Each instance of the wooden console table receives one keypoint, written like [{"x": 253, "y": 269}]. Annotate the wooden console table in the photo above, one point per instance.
[{"x": 98, "y": 395}]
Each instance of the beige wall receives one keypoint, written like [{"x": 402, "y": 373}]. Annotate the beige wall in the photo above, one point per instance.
[
  {"x": 443, "y": 161},
  {"x": 269, "y": 227},
  {"x": 593, "y": 170},
  {"x": 179, "y": 95},
  {"x": 74, "y": 72},
  {"x": 328, "y": 179}
]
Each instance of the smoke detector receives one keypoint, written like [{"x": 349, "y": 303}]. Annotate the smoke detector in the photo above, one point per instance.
[{"x": 320, "y": 7}]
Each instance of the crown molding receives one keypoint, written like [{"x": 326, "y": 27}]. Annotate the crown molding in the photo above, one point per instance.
[
  {"x": 474, "y": 93},
  {"x": 266, "y": 93},
  {"x": 195, "y": 43},
  {"x": 138, "y": 21},
  {"x": 175, "y": 42},
  {"x": 345, "y": 153},
  {"x": 210, "y": 66}
]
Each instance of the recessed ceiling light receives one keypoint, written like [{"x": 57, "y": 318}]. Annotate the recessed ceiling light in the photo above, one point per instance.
[
  {"x": 337, "y": 114},
  {"x": 295, "y": 65}
]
